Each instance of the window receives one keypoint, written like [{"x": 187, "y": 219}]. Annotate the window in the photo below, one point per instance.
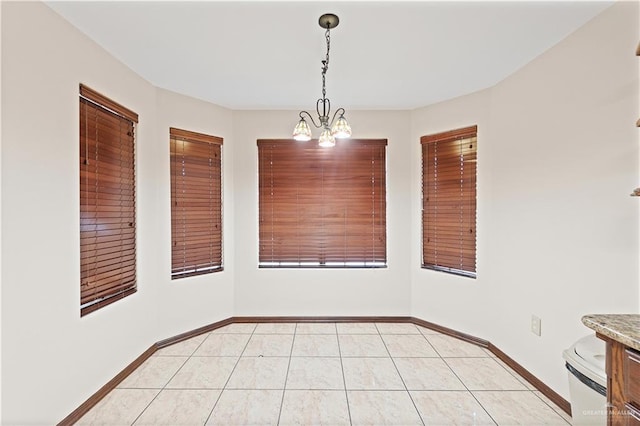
[
  {"x": 322, "y": 207},
  {"x": 107, "y": 201},
  {"x": 196, "y": 203},
  {"x": 449, "y": 201}
]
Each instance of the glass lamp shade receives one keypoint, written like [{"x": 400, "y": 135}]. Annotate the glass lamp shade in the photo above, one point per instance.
[
  {"x": 302, "y": 132},
  {"x": 326, "y": 139},
  {"x": 341, "y": 128}
]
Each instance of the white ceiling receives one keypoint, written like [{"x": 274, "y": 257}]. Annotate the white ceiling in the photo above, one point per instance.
[{"x": 384, "y": 55}]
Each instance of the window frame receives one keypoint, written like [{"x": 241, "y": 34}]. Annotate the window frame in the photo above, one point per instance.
[
  {"x": 214, "y": 261},
  {"x": 454, "y": 197},
  {"x": 276, "y": 249},
  {"x": 98, "y": 204}
]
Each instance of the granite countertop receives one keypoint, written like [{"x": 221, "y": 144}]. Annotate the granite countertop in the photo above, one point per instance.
[{"x": 623, "y": 328}]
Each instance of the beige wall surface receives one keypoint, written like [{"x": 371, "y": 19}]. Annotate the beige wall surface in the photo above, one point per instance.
[
  {"x": 52, "y": 359},
  {"x": 0, "y": 222},
  {"x": 557, "y": 230},
  {"x": 189, "y": 303},
  {"x": 438, "y": 296},
  {"x": 312, "y": 291}
]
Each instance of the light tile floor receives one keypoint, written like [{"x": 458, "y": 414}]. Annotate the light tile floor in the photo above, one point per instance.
[{"x": 324, "y": 373}]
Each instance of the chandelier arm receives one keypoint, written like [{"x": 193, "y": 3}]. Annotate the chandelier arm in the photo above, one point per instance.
[
  {"x": 326, "y": 110},
  {"x": 310, "y": 118},
  {"x": 339, "y": 110}
]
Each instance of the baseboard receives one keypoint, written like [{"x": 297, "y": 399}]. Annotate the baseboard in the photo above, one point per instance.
[
  {"x": 535, "y": 382},
  {"x": 103, "y": 391},
  {"x": 193, "y": 333},
  {"x": 322, "y": 319},
  {"x": 451, "y": 332},
  {"x": 113, "y": 383}
]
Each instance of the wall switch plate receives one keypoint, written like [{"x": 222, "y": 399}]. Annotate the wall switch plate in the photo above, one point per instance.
[{"x": 536, "y": 325}]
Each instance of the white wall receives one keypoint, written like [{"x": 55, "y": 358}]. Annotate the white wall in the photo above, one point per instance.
[
  {"x": 557, "y": 233},
  {"x": 52, "y": 359},
  {"x": 207, "y": 298},
  {"x": 0, "y": 223},
  {"x": 442, "y": 298},
  {"x": 557, "y": 230},
  {"x": 313, "y": 292}
]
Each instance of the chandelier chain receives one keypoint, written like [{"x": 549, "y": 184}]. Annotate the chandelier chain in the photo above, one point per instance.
[
  {"x": 331, "y": 129},
  {"x": 325, "y": 63}
]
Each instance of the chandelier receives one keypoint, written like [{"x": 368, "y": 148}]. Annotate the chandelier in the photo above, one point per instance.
[{"x": 330, "y": 129}]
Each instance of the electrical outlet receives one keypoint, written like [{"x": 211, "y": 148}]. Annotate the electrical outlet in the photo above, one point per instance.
[{"x": 536, "y": 325}]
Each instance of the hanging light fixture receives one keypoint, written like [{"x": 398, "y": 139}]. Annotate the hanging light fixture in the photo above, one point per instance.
[{"x": 330, "y": 129}]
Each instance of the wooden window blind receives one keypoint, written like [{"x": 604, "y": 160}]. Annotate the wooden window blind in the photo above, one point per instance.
[
  {"x": 107, "y": 201},
  {"x": 449, "y": 201},
  {"x": 196, "y": 203},
  {"x": 322, "y": 207}
]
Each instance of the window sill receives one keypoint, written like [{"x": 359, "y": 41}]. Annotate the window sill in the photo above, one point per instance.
[{"x": 452, "y": 271}]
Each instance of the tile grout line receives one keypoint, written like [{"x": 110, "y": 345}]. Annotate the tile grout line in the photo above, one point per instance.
[
  {"x": 231, "y": 373},
  {"x": 145, "y": 408},
  {"x": 344, "y": 379},
  {"x": 526, "y": 389},
  {"x": 431, "y": 345},
  {"x": 550, "y": 406},
  {"x": 469, "y": 390},
  {"x": 525, "y": 383},
  {"x": 400, "y": 375},
  {"x": 286, "y": 376},
  {"x": 188, "y": 358},
  {"x": 519, "y": 378},
  {"x": 171, "y": 378}
]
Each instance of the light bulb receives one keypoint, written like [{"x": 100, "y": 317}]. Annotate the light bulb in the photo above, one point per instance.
[
  {"x": 341, "y": 128},
  {"x": 326, "y": 139},
  {"x": 302, "y": 132}
]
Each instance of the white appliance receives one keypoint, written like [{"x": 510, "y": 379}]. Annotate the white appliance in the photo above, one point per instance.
[{"x": 585, "y": 361}]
